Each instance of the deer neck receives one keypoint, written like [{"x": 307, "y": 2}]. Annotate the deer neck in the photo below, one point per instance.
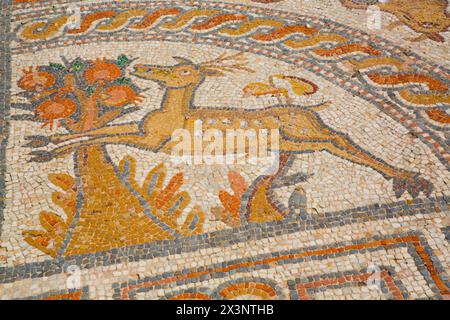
[{"x": 178, "y": 100}]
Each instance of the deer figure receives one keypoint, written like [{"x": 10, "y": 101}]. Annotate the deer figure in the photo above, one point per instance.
[
  {"x": 429, "y": 18},
  {"x": 300, "y": 127}
]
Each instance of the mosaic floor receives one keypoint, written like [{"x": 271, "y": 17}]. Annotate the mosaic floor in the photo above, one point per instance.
[{"x": 344, "y": 102}]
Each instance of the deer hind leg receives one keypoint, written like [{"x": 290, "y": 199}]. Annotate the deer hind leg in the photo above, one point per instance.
[
  {"x": 148, "y": 142},
  {"x": 308, "y": 127},
  {"x": 342, "y": 147}
]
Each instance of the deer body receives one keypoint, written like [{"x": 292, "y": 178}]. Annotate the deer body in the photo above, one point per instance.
[{"x": 301, "y": 129}]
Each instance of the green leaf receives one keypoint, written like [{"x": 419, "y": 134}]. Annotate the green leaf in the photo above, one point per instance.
[
  {"x": 57, "y": 66},
  {"x": 123, "y": 80},
  {"x": 77, "y": 66},
  {"x": 90, "y": 90},
  {"x": 122, "y": 60}
]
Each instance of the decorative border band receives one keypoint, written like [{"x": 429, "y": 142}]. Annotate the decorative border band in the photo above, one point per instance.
[
  {"x": 415, "y": 243},
  {"x": 223, "y": 238}
]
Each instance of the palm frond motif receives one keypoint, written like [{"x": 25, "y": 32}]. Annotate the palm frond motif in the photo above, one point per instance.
[
  {"x": 166, "y": 201},
  {"x": 55, "y": 227}
]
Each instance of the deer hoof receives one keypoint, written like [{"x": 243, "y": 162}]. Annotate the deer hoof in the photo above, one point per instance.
[
  {"x": 36, "y": 141},
  {"x": 414, "y": 186},
  {"x": 41, "y": 156}
]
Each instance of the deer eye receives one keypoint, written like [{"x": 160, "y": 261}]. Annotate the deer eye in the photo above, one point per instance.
[{"x": 184, "y": 72}]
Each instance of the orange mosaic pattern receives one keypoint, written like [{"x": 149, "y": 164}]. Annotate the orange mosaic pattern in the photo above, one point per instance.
[
  {"x": 373, "y": 244},
  {"x": 260, "y": 290},
  {"x": 67, "y": 296},
  {"x": 302, "y": 288}
]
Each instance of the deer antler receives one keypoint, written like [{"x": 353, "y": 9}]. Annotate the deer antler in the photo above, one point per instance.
[
  {"x": 231, "y": 63},
  {"x": 240, "y": 56}
]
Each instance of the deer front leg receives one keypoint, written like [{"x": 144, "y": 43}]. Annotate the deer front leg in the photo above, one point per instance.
[
  {"x": 42, "y": 141},
  {"x": 123, "y": 129},
  {"x": 148, "y": 142}
]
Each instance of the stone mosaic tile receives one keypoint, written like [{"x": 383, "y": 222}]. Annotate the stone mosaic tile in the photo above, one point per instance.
[{"x": 347, "y": 197}]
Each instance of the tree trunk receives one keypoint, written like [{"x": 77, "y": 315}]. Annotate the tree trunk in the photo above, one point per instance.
[{"x": 109, "y": 215}]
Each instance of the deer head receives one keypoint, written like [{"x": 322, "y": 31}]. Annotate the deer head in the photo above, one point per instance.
[
  {"x": 427, "y": 17},
  {"x": 187, "y": 73},
  {"x": 430, "y": 18}
]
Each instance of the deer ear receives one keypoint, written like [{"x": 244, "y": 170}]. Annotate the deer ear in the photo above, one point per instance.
[
  {"x": 182, "y": 60},
  {"x": 212, "y": 72}
]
